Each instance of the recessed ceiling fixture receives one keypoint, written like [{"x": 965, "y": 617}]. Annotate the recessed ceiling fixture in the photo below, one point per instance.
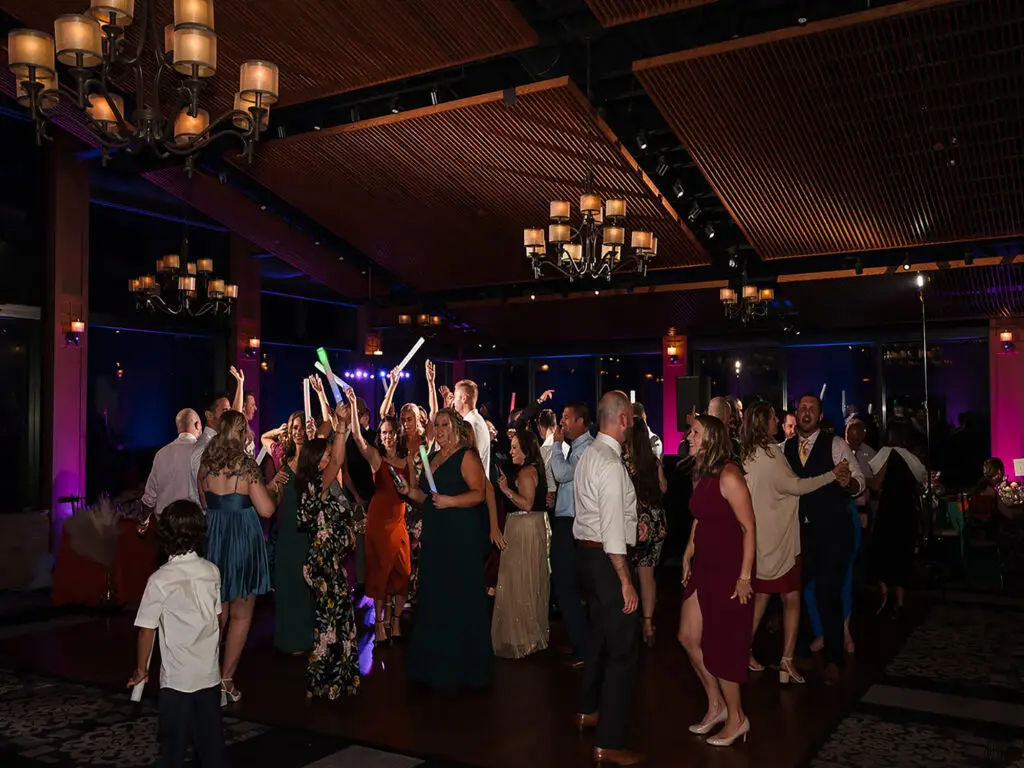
[{"x": 94, "y": 47}]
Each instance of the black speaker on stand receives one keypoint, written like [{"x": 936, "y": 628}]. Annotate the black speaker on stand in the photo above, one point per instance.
[{"x": 691, "y": 392}]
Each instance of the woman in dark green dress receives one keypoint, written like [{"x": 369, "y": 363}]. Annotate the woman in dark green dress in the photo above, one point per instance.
[
  {"x": 451, "y": 640},
  {"x": 293, "y": 601}
]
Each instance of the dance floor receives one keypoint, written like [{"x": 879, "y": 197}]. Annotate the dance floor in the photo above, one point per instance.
[{"x": 951, "y": 695}]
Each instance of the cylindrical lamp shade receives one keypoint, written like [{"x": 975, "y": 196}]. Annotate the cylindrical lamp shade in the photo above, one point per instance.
[
  {"x": 199, "y": 12},
  {"x": 204, "y": 265},
  {"x": 28, "y": 48},
  {"x": 599, "y": 216},
  {"x": 533, "y": 236},
  {"x": 134, "y": 285},
  {"x": 259, "y": 79},
  {"x": 558, "y": 233},
  {"x": 172, "y": 261},
  {"x": 750, "y": 293},
  {"x": 50, "y": 94},
  {"x": 589, "y": 204},
  {"x": 654, "y": 246},
  {"x": 186, "y": 283},
  {"x": 614, "y": 235},
  {"x": 405, "y": 319},
  {"x": 1006, "y": 337},
  {"x": 641, "y": 240},
  {"x": 188, "y": 128},
  {"x": 435, "y": 320},
  {"x": 727, "y": 296},
  {"x": 76, "y": 34},
  {"x": 123, "y": 11},
  {"x": 160, "y": 266},
  {"x": 243, "y": 106},
  {"x": 101, "y": 110},
  {"x": 615, "y": 208},
  {"x": 767, "y": 294},
  {"x": 216, "y": 289},
  {"x": 559, "y": 209},
  {"x": 190, "y": 268},
  {"x": 574, "y": 252},
  {"x": 423, "y": 319},
  {"x": 77, "y": 326},
  {"x": 195, "y": 47},
  {"x": 169, "y": 38},
  {"x": 230, "y": 291},
  {"x": 148, "y": 284}
]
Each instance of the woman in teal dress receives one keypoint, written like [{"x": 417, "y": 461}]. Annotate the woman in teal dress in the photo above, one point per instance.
[
  {"x": 293, "y": 600},
  {"x": 451, "y": 639},
  {"x": 235, "y": 499},
  {"x": 333, "y": 669}
]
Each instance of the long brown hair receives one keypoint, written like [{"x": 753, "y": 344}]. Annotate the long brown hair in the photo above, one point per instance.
[
  {"x": 290, "y": 448},
  {"x": 715, "y": 448},
  {"x": 648, "y": 489},
  {"x": 226, "y": 450},
  {"x": 754, "y": 432}
]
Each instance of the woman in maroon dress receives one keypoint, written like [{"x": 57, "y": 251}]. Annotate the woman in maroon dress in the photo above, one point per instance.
[{"x": 718, "y": 609}]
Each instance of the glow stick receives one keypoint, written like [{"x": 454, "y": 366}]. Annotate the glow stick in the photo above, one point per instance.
[
  {"x": 413, "y": 351},
  {"x": 844, "y": 403},
  {"x": 325, "y": 368},
  {"x": 138, "y": 688},
  {"x": 822, "y": 395},
  {"x": 334, "y": 378},
  {"x": 305, "y": 399},
  {"x": 426, "y": 469},
  {"x": 512, "y": 405},
  {"x": 632, "y": 396},
  {"x": 262, "y": 455}
]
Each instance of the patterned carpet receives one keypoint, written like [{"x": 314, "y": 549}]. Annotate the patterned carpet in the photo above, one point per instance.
[
  {"x": 48, "y": 722},
  {"x": 953, "y": 696}
]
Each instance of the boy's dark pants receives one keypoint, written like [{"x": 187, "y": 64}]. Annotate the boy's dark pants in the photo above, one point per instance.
[{"x": 191, "y": 716}]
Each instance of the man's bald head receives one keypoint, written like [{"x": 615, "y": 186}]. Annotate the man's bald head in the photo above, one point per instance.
[
  {"x": 719, "y": 408},
  {"x": 615, "y": 414},
  {"x": 187, "y": 422}
]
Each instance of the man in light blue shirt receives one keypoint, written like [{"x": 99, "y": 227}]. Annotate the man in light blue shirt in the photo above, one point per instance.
[{"x": 573, "y": 429}]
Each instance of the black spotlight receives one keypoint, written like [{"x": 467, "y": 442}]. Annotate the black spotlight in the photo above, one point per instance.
[
  {"x": 694, "y": 213},
  {"x": 709, "y": 230},
  {"x": 395, "y": 106},
  {"x": 858, "y": 268},
  {"x": 641, "y": 139},
  {"x": 678, "y": 189},
  {"x": 663, "y": 166},
  {"x": 353, "y": 114},
  {"x": 906, "y": 264},
  {"x": 433, "y": 95},
  {"x": 968, "y": 259}
]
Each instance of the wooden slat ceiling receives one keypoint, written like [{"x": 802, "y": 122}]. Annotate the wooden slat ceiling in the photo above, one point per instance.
[
  {"x": 65, "y": 118},
  {"x": 440, "y": 195},
  {"x": 896, "y": 127},
  {"x": 267, "y": 231},
  {"x": 611, "y": 13},
  {"x": 325, "y": 47}
]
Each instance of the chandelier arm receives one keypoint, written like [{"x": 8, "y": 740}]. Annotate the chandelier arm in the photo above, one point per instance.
[{"x": 209, "y": 135}]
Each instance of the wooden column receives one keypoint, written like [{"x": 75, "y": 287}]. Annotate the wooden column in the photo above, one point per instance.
[
  {"x": 245, "y": 317},
  {"x": 67, "y": 299},
  {"x": 672, "y": 367},
  {"x": 1006, "y": 383}
]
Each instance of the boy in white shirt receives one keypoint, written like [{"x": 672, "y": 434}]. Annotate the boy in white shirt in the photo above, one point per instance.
[{"x": 182, "y": 600}]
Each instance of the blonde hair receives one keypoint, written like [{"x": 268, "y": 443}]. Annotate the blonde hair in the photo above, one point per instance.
[{"x": 226, "y": 451}]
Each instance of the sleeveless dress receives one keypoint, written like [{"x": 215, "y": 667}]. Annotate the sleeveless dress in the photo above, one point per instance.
[
  {"x": 451, "y": 639},
  {"x": 717, "y": 559},
  {"x": 522, "y": 599},
  {"x": 333, "y": 668},
  {"x": 652, "y": 527},
  {"x": 388, "y": 563},
  {"x": 234, "y": 543},
  {"x": 293, "y": 600}
]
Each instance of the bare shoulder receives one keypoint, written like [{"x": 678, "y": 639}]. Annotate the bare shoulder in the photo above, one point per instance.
[{"x": 731, "y": 478}]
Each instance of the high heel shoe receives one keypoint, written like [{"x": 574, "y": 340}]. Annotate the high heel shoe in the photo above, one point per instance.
[
  {"x": 718, "y": 741},
  {"x": 649, "y": 631},
  {"x": 232, "y": 695},
  {"x": 701, "y": 728},
  {"x": 381, "y": 634},
  {"x": 754, "y": 665},
  {"x": 788, "y": 673}
]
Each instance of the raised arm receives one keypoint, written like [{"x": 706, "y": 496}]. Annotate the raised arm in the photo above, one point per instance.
[
  {"x": 326, "y": 412},
  {"x": 387, "y": 404},
  {"x": 336, "y": 461},
  {"x": 431, "y": 391},
  {"x": 734, "y": 490},
  {"x": 368, "y": 451},
  {"x": 239, "y": 401},
  {"x": 267, "y": 439}
]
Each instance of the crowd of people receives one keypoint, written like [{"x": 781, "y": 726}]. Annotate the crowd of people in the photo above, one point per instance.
[{"x": 438, "y": 507}]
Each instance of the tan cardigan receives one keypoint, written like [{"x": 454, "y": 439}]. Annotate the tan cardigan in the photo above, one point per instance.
[{"x": 775, "y": 490}]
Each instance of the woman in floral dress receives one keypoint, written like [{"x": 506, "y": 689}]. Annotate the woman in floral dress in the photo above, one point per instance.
[
  {"x": 649, "y": 481},
  {"x": 333, "y": 669}
]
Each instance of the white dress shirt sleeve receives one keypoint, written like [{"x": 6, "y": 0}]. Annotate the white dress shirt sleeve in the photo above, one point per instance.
[
  {"x": 152, "y": 605},
  {"x": 612, "y": 493},
  {"x": 841, "y": 450},
  {"x": 152, "y": 486}
]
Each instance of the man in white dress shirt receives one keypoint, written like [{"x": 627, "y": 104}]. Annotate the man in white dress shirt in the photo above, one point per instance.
[
  {"x": 170, "y": 479},
  {"x": 217, "y": 405},
  {"x": 605, "y": 527},
  {"x": 465, "y": 399},
  {"x": 856, "y": 433}
]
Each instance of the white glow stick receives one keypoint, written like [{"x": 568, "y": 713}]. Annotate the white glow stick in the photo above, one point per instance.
[
  {"x": 138, "y": 688},
  {"x": 632, "y": 396},
  {"x": 334, "y": 378},
  {"x": 305, "y": 399},
  {"x": 426, "y": 469},
  {"x": 822, "y": 395},
  {"x": 413, "y": 351},
  {"x": 261, "y": 456}
]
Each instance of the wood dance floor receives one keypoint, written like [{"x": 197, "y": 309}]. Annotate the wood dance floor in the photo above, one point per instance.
[{"x": 523, "y": 719}]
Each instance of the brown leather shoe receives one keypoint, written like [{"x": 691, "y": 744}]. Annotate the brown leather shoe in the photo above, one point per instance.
[{"x": 617, "y": 756}]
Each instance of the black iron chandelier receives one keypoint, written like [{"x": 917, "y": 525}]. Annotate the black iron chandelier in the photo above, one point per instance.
[
  {"x": 183, "y": 287},
  {"x": 749, "y": 304},
  {"x": 93, "y": 46}
]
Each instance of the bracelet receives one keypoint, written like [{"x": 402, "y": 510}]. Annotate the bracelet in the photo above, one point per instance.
[{"x": 747, "y": 579}]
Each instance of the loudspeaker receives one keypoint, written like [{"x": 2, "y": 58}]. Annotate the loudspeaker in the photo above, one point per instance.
[{"x": 691, "y": 392}]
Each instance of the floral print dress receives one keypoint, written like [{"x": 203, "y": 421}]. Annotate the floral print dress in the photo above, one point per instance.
[
  {"x": 651, "y": 525},
  {"x": 333, "y": 669}
]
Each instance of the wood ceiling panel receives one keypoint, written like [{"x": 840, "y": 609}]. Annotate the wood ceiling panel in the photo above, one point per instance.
[
  {"x": 325, "y": 47},
  {"x": 611, "y": 13},
  {"x": 440, "y": 195},
  {"x": 897, "y": 127}
]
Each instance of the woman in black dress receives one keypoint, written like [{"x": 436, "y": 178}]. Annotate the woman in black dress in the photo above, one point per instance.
[{"x": 451, "y": 640}]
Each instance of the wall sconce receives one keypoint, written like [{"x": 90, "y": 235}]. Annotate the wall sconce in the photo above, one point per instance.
[
  {"x": 373, "y": 346},
  {"x": 73, "y": 334},
  {"x": 675, "y": 346},
  {"x": 252, "y": 351},
  {"x": 1006, "y": 339}
]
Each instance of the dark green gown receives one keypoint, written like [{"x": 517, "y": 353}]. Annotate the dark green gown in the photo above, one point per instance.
[
  {"x": 293, "y": 600},
  {"x": 451, "y": 633}
]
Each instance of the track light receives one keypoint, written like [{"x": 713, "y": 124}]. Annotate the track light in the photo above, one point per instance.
[
  {"x": 968, "y": 259},
  {"x": 709, "y": 230},
  {"x": 906, "y": 265},
  {"x": 694, "y": 213},
  {"x": 353, "y": 114},
  {"x": 641, "y": 139},
  {"x": 858, "y": 268},
  {"x": 919, "y": 280},
  {"x": 395, "y": 106},
  {"x": 678, "y": 188},
  {"x": 433, "y": 95},
  {"x": 663, "y": 166}
]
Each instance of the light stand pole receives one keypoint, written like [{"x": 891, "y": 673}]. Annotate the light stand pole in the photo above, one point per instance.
[{"x": 930, "y": 500}]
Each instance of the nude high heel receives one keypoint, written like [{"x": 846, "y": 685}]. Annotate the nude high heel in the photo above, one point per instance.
[
  {"x": 701, "y": 728},
  {"x": 718, "y": 741},
  {"x": 788, "y": 673}
]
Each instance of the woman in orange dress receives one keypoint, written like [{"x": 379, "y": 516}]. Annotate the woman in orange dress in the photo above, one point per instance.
[{"x": 388, "y": 563}]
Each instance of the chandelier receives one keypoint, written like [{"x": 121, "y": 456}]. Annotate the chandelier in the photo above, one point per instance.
[
  {"x": 749, "y": 304},
  {"x": 94, "y": 47},
  {"x": 183, "y": 287},
  {"x": 596, "y": 248}
]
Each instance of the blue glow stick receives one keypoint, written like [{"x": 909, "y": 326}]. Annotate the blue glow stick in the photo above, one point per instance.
[{"x": 325, "y": 368}]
